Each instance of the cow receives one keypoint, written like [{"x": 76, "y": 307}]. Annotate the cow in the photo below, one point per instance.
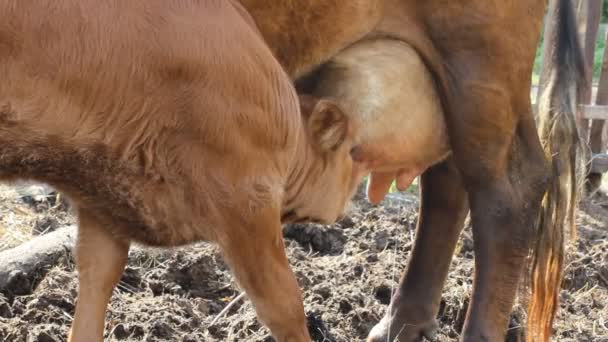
[
  {"x": 521, "y": 194},
  {"x": 167, "y": 123}
]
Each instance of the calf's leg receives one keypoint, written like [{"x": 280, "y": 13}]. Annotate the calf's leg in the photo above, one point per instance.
[
  {"x": 411, "y": 314},
  {"x": 100, "y": 261},
  {"x": 254, "y": 249}
]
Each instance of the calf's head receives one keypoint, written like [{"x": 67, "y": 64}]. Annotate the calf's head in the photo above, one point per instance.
[{"x": 324, "y": 176}]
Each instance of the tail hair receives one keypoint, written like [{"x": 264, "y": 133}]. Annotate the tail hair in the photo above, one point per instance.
[{"x": 566, "y": 154}]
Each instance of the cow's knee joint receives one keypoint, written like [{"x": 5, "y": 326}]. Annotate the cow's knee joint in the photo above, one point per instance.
[{"x": 497, "y": 207}]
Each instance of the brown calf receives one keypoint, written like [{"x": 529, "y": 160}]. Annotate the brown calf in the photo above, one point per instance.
[
  {"x": 168, "y": 123},
  {"x": 480, "y": 54}
]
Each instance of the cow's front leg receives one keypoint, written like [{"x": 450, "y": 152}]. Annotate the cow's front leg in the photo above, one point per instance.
[
  {"x": 253, "y": 246},
  {"x": 411, "y": 314},
  {"x": 100, "y": 261}
]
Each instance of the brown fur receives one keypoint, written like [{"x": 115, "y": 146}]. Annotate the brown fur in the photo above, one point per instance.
[
  {"x": 480, "y": 54},
  {"x": 169, "y": 123},
  {"x": 303, "y": 33}
]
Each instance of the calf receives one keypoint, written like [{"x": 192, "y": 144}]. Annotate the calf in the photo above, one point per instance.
[{"x": 169, "y": 123}]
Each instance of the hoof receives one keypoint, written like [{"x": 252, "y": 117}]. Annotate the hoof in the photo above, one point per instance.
[{"x": 404, "y": 332}]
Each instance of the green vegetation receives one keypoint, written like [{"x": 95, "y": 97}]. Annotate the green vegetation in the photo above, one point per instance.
[{"x": 599, "y": 54}]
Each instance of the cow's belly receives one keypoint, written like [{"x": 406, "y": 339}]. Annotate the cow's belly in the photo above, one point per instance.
[{"x": 305, "y": 33}]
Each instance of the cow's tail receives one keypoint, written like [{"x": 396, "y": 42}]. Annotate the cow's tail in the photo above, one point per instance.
[{"x": 564, "y": 150}]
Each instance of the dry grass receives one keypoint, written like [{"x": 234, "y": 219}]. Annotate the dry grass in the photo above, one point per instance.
[
  {"x": 347, "y": 273},
  {"x": 16, "y": 219}
]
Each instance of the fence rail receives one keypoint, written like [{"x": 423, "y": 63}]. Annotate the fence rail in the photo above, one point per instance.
[{"x": 594, "y": 112}]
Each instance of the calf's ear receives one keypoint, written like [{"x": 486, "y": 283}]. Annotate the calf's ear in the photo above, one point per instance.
[{"x": 328, "y": 126}]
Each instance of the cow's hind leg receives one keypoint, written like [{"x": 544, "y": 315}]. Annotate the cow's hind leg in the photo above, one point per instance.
[
  {"x": 100, "y": 261},
  {"x": 503, "y": 167},
  {"x": 254, "y": 249},
  {"x": 411, "y": 314}
]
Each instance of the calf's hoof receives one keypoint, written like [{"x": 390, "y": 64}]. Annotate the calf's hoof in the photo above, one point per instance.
[{"x": 394, "y": 331}]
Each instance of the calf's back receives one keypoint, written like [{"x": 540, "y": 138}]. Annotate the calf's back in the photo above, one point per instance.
[{"x": 135, "y": 108}]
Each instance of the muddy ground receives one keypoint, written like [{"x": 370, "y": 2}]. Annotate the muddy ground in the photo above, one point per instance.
[{"x": 347, "y": 272}]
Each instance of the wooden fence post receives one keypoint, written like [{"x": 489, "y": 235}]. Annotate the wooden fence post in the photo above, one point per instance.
[
  {"x": 588, "y": 17},
  {"x": 597, "y": 126}
]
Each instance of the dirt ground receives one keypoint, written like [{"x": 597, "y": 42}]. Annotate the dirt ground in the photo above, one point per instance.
[{"x": 347, "y": 272}]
